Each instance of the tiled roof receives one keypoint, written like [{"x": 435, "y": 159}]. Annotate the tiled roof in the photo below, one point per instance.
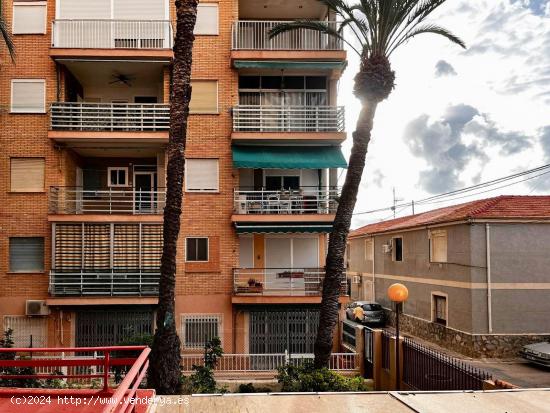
[{"x": 503, "y": 207}]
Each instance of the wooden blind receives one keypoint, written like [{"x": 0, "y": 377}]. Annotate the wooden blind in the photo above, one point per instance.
[
  {"x": 68, "y": 246},
  {"x": 151, "y": 246},
  {"x": 26, "y": 254},
  {"x": 439, "y": 246},
  {"x": 97, "y": 246},
  {"x": 207, "y": 19},
  {"x": 201, "y": 175},
  {"x": 28, "y": 95},
  {"x": 29, "y": 17},
  {"x": 27, "y": 174},
  {"x": 126, "y": 246},
  {"x": 204, "y": 96}
]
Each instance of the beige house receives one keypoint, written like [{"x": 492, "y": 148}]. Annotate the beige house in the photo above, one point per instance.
[{"x": 477, "y": 273}]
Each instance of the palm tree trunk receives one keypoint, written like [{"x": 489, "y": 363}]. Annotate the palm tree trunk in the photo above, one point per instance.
[
  {"x": 338, "y": 237},
  {"x": 165, "y": 361}
]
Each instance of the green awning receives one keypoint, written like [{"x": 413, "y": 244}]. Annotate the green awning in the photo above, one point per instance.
[
  {"x": 286, "y": 65},
  {"x": 282, "y": 228},
  {"x": 288, "y": 157}
]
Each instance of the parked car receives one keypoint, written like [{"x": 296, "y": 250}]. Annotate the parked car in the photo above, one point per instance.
[
  {"x": 372, "y": 312},
  {"x": 538, "y": 353}
]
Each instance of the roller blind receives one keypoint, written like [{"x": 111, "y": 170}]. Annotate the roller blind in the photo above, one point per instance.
[
  {"x": 207, "y": 19},
  {"x": 26, "y": 254},
  {"x": 27, "y": 174},
  {"x": 97, "y": 246},
  {"x": 28, "y": 95},
  {"x": 139, "y": 9},
  {"x": 439, "y": 246},
  {"x": 201, "y": 175},
  {"x": 204, "y": 97},
  {"x": 82, "y": 9},
  {"x": 68, "y": 246},
  {"x": 29, "y": 17}
]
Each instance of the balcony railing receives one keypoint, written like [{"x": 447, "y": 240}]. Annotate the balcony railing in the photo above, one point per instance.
[
  {"x": 302, "y": 282},
  {"x": 254, "y": 35},
  {"x": 109, "y": 116},
  {"x": 104, "y": 282},
  {"x": 76, "y": 200},
  {"x": 111, "y": 34},
  {"x": 307, "y": 200},
  {"x": 259, "y": 118}
]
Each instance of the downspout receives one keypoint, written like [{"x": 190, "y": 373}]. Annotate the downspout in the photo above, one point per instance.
[
  {"x": 373, "y": 269},
  {"x": 489, "y": 289}
]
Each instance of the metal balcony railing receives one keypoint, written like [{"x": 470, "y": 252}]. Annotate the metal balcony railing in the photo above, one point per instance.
[
  {"x": 112, "y": 34},
  {"x": 259, "y": 118},
  {"x": 109, "y": 116},
  {"x": 104, "y": 282},
  {"x": 302, "y": 282},
  {"x": 76, "y": 200},
  {"x": 254, "y": 35},
  {"x": 306, "y": 200}
]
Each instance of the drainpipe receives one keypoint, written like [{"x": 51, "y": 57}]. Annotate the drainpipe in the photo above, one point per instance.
[
  {"x": 489, "y": 290},
  {"x": 373, "y": 269}
]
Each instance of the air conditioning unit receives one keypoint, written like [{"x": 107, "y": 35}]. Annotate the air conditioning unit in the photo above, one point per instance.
[
  {"x": 387, "y": 247},
  {"x": 36, "y": 307},
  {"x": 357, "y": 279}
]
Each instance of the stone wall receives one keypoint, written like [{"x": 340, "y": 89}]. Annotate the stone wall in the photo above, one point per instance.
[{"x": 477, "y": 346}]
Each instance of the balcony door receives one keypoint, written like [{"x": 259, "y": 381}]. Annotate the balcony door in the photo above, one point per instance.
[{"x": 144, "y": 192}]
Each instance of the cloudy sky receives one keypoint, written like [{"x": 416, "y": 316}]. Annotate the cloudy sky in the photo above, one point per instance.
[{"x": 460, "y": 117}]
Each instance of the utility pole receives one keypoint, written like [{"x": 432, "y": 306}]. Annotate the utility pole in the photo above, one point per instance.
[
  {"x": 395, "y": 201},
  {"x": 412, "y": 204}
]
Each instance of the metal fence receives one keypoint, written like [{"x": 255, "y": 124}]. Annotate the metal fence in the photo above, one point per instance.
[
  {"x": 257, "y": 363},
  {"x": 348, "y": 333},
  {"x": 260, "y": 118},
  {"x": 428, "y": 369},
  {"x": 76, "y": 200},
  {"x": 125, "y": 117},
  {"x": 306, "y": 200},
  {"x": 281, "y": 281},
  {"x": 111, "y": 34},
  {"x": 254, "y": 35},
  {"x": 369, "y": 352},
  {"x": 386, "y": 343}
]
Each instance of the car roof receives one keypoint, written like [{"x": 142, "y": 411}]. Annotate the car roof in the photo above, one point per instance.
[
  {"x": 366, "y": 302},
  {"x": 543, "y": 346}
]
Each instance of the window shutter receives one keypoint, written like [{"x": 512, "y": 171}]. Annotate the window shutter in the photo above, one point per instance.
[
  {"x": 204, "y": 96},
  {"x": 80, "y": 9},
  {"x": 207, "y": 19},
  {"x": 368, "y": 249},
  {"x": 26, "y": 254},
  {"x": 68, "y": 246},
  {"x": 29, "y": 17},
  {"x": 201, "y": 175},
  {"x": 439, "y": 246},
  {"x": 27, "y": 96},
  {"x": 27, "y": 174},
  {"x": 139, "y": 10}
]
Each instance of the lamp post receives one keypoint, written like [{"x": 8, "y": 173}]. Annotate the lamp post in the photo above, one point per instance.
[{"x": 398, "y": 294}]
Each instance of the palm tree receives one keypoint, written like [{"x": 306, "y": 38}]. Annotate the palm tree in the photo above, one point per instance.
[
  {"x": 6, "y": 35},
  {"x": 165, "y": 361},
  {"x": 378, "y": 28}
]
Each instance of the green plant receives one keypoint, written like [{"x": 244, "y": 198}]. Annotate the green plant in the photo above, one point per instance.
[
  {"x": 202, "y": 380},
  {"x": 249, "y": 388},
  {"x": 306, "y": 378},
  {"x": 136, "y": 340}
]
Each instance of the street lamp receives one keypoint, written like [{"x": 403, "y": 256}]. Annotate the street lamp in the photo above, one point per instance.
[{"x": 398, "y": 293}]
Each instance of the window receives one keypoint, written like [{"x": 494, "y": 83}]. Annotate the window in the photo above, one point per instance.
[
  {"x": 117, "y": 176},
  {"x": 196, "y": 249},
  {"x": 197, "y": 329},
  {"x": 29, "y": 17},
  {"x": 439, "y": 308},
  {"x": 201, "y": 175},
  {"x": 28, "y": 96},
  {"x": 397, "y": 249},
  {"x": 204, "y": 96},
  {"x": 207, "y": 19},
  {"x": 26, "y": 254},
  {"x": 438, "y": 246},
  {"x": 368, "y": 249},
  {"x": 27, "y": 330},
  {"x": 27, "y": 174},
  {"x": 274, "y": 183}
]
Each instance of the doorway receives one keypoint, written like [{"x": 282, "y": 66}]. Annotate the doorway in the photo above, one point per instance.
[{"x": 145, "y": 197}]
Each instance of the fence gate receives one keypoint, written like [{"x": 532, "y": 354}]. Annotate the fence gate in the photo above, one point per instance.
[
  {"x": 109, "y": 327},
  {"x": 369, "y": 353},
  {"x": 274, "y": 331}
]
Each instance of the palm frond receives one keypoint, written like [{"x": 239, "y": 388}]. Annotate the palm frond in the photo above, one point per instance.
[
  {"x": 428, "y": 28},
  {"x": 6, "y": 37}
]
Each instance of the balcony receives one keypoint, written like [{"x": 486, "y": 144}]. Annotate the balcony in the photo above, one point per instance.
[
  {"x": 104, "y": 282},
  {"x": 76, "y": 200},
  {"x": 109, "y": 117},
  {"x": 299, "y": 282},
  {"x": 306, "y": 200},
  {"x": 293, "y": 119},
  {"x": 254, "y": 35}
]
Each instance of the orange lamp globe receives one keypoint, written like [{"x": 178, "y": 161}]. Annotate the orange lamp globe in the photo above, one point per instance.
[{"x": 398, "y": 293}]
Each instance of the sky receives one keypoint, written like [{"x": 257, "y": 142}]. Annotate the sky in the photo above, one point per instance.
[{"x": 460, "y": 117}]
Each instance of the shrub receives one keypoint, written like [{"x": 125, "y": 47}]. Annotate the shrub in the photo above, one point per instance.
[
  {"x": 249, "y": 388},
  {"x": 202, "y": 380},
  {"x": 137, "y": 340},
  {"x": 305, "y": 378}
]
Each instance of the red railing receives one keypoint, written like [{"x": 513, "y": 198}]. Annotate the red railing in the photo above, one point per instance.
[{"x": 121, "y": 397}]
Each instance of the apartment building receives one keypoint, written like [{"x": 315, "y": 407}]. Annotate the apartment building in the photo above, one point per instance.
[
  {"x": 477, "y": 272},
  {"x": 84, "y": 118}
]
